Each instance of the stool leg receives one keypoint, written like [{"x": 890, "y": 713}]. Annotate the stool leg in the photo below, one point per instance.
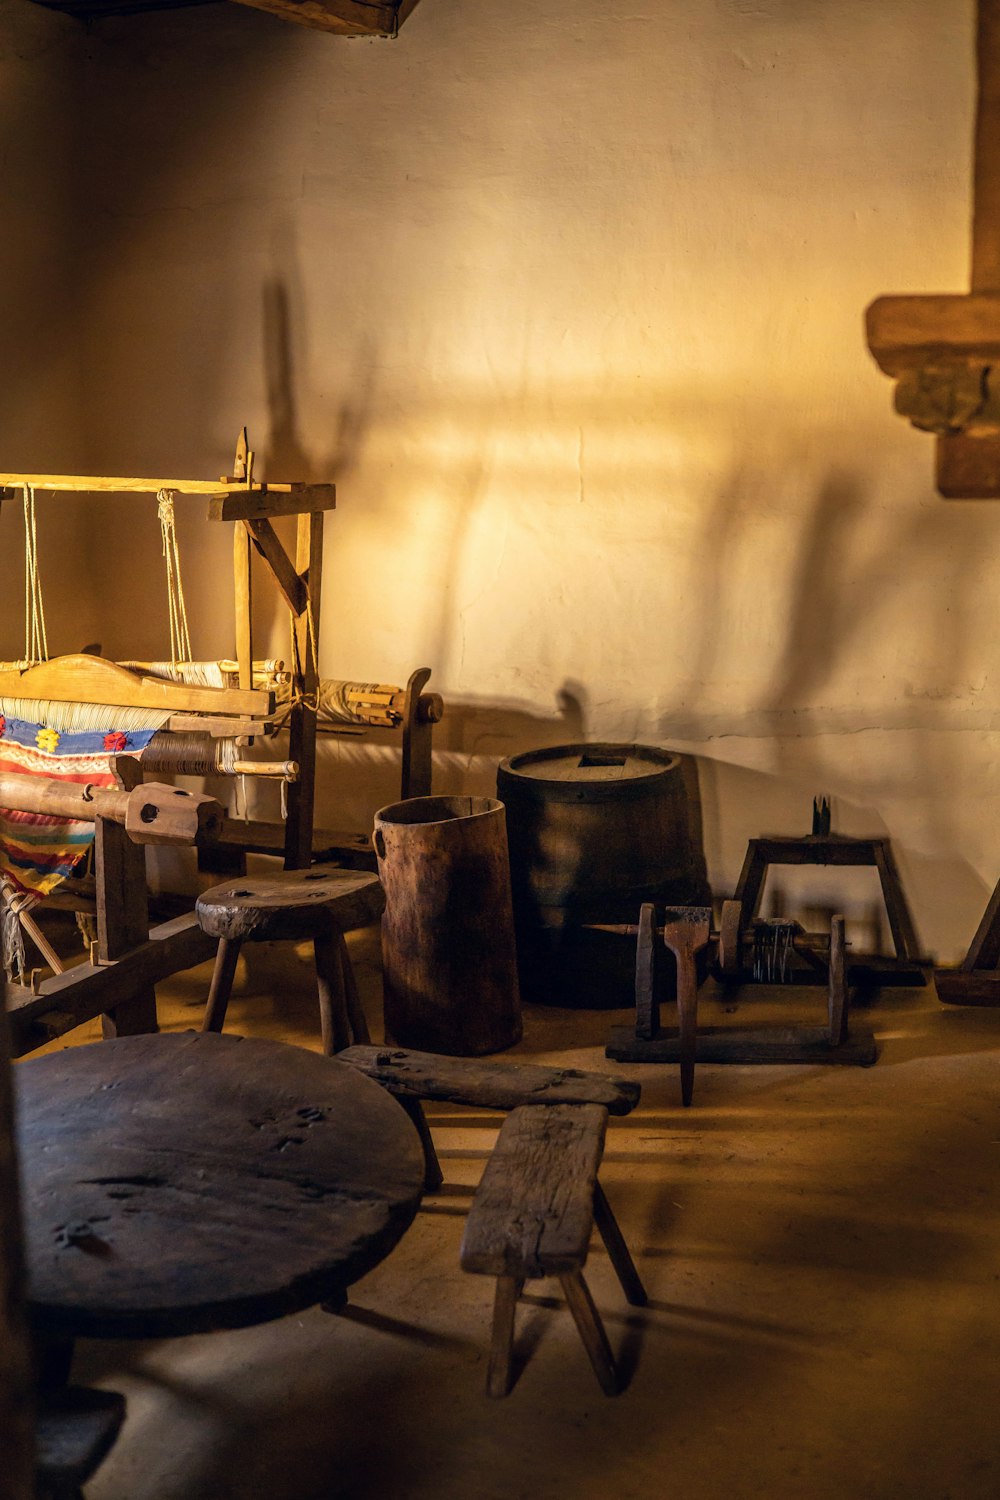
[
  {"x": 222, "y": 983},
  {"x": 591, "y": 1330},
  {"x": 332, "y": 998},
  {"x": 618, "y": 1252},
  {"x": 498, "y": 1371},
  {"x": 355, "y": 1010}
]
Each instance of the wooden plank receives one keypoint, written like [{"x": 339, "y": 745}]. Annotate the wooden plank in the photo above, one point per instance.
[
  {"x": 533, "y": 1210},
  {"x": 91, "y": 679},
  {"x": 290, "y": 585},
  {"x": 489, "y": 1085},
  {"x": 258, "y": 504},
  {"x": 816, "y": 851},
  {"x": 219, "y": 726},
  {"x": 122, "y": 909},
  {"x": 117, "y": 485},
  {"x": 762, "y": 1044},
  {"x": 907, "y": 332},
  {"x": 968, "y": 987}
]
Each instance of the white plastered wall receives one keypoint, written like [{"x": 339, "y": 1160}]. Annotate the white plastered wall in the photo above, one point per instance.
[{"x": 568, "y": 300}]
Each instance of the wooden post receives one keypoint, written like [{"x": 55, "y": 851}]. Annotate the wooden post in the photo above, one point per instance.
[
  {"x": 960, "y": 457},
  {"x": 16, "y": 1423},
  {"x": 243, "y": 599},
  {"x": 122, "y": 907},
  {"x": 305, "y": 686}
]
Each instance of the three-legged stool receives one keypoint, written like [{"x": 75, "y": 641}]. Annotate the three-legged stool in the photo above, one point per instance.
[{"x": 320, "y": 904}]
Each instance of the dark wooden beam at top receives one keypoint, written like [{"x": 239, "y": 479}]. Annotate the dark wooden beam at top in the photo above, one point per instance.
[{"x": 340, "y": 17}]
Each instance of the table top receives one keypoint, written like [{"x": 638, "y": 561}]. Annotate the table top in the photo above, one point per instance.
[{"x": 185, "y": 1182}]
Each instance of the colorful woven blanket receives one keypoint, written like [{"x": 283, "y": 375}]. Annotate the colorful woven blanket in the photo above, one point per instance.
[{"x": 38, "y": 850}]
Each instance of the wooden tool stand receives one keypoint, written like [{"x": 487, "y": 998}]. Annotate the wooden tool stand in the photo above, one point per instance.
[
  {"x": 686, "y": 933},
  {"x": 128, "y": 958},
  {"x": 904, "y": 968}
]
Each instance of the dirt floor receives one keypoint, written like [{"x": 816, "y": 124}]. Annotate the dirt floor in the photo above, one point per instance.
[{"x": 820, "y": 1250}]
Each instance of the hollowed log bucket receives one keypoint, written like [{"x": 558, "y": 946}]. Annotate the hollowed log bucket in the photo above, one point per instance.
[{"x": 448, "y": 955}]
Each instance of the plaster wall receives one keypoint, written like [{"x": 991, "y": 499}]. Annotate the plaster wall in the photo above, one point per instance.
[{"x": 568, "y": 300}]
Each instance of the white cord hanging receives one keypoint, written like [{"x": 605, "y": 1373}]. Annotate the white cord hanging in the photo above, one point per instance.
[
  {"x": 180, "y": 636},
  {"x": 36, "y": 646}
]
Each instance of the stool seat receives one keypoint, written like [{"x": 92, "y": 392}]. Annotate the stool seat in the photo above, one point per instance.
[
  {"x": 320, "y": 904},
  {"x": 291, "y": 906}
]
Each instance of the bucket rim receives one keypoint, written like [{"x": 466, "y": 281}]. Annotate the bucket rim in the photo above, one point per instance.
[{"x": 488, "y": 807}]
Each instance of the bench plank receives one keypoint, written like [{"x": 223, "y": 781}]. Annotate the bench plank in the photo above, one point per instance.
[
  {"x": 489, "y": 1085},
  {"x": 533, "y": 1211}
]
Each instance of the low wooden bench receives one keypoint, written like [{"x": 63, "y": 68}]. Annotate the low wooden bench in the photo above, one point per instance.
[
  {"x": 416, "y": 1076},
  {"x": 532, "y": 1216}
]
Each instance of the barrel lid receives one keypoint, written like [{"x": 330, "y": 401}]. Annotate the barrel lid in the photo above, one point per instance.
[{"x": 596, "y": 770}]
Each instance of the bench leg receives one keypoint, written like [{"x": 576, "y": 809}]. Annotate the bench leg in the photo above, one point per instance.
[
  {"x": 591, "y": 1330},
  {"x": 433, "y": 1176},
  {"x": 222, "y": 984},
  {"x": 618, "y": 1252},
  {"x": 355, "y": 1010},
  {"x": 332, "y": 995},
  {"x": 498, "y": 1373}
]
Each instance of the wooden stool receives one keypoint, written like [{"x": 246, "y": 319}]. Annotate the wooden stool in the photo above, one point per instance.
[
  {"x": 322, "y": 904},
  {"x": 413, "y": 1076},
  {"x": 532, "y": 1216}
]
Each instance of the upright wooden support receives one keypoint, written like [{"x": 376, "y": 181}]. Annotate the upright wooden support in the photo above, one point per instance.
[
  {"x": 305, "y": 687},
  {"x": 16, "y": 1424},
  {"x": 243, "y": 600},
  {"x": 122, "y": 907}
]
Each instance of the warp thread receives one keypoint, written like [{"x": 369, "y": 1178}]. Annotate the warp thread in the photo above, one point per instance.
[{"x": 180, "y": 635}]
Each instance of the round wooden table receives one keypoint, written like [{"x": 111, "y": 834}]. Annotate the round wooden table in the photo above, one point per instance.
[{"x": 186, "y": 1182}]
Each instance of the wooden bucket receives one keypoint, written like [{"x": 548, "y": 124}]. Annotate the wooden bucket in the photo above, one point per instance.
[
  {"x": 594, "y": 831},
  {"x": 448, "y": 955}
]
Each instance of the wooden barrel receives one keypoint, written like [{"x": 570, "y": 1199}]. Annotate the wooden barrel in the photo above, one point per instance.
[
  {"x": 594, "y": 830},
  {"x": 448, "y": 955}
]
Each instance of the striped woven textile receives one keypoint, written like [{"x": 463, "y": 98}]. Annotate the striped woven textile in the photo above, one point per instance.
[{"x": 38, "y": 850}]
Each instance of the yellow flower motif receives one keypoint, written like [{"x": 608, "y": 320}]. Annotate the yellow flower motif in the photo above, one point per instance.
[{"x": 47, "y": 739}]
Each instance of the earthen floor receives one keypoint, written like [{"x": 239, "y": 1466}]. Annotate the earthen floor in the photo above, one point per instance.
[{"x": 820, "y": 1247}]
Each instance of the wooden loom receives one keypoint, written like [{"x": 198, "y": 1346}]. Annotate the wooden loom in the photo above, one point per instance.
[{"x": 239, "y": 712}]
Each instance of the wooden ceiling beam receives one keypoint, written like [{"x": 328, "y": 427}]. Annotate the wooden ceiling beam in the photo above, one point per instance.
[{"x": 340, "y": 17}]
